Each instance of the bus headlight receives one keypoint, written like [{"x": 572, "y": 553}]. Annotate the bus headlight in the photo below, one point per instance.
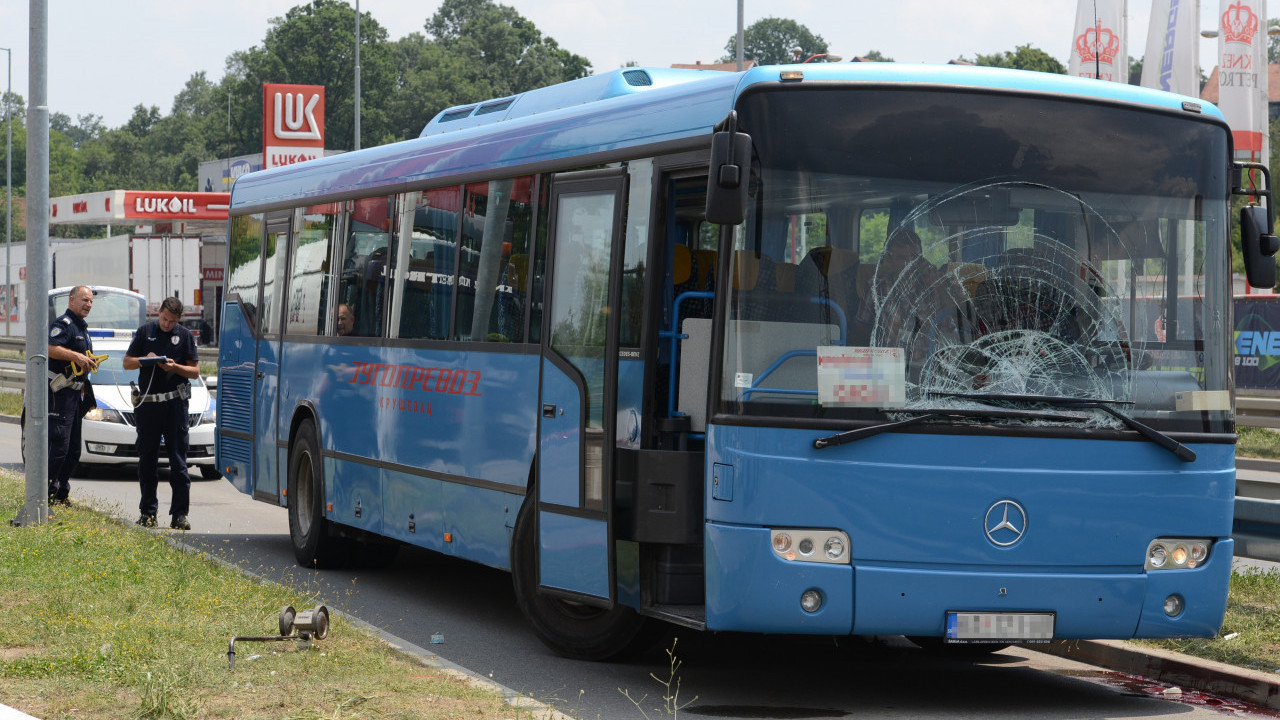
[
  {"x": 1177, "y": 553},
  {"x": 810, "y": 545}
]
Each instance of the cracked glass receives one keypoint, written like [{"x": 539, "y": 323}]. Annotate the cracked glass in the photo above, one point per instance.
[{"x": 970, "y": 250}]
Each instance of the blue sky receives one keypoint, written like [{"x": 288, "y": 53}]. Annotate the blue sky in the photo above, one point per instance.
[{"x": 107, "y": 57}]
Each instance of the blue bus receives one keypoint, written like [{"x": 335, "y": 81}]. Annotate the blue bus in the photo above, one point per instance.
[{"x": 849, "y": 349}]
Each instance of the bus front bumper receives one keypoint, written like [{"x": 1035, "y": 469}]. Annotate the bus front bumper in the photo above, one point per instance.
[{"x": 751, "y": 589}]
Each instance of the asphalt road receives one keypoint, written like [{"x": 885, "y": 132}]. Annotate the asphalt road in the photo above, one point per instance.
[{"x": 723, "y": 675}]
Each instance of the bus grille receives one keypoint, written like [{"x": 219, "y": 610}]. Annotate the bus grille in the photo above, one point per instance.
[
  {"x": 235, "y": 400},
  {"x": 234, "y": 450}
]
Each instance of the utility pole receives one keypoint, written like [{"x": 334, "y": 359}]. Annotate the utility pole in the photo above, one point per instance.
[
  {"x": 36, "y": 509},
  {"x": 357, "y": 99},
  {"x": 740, "y": 35}
]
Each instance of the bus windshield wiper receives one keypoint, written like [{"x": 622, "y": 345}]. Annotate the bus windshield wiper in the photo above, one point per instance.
[
  {"x": 1184, "y": 453},
  {"x": 925, "y": 415}
]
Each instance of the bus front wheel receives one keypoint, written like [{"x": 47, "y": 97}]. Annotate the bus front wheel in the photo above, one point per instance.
[
  {"x": 574, "y": 630},
  {"x": 314, "y": 545}
]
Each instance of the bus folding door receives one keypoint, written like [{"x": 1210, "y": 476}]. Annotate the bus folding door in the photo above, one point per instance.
[{"x": 578, "y": 389}]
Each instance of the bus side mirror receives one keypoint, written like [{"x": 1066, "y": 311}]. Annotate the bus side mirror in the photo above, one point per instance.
[
  {"x": 1258, "y": 245},
  {"x": 728, "y": 178}
]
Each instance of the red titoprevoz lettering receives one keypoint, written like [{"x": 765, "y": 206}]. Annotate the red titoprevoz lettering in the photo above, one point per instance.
[{"x": 448, "y": 381}]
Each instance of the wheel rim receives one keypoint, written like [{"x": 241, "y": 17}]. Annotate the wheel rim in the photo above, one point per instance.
[{"x": 305, "y": 487}]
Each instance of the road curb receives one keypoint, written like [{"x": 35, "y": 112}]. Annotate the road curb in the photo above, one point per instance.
[{"x": 1252, "y": 686}]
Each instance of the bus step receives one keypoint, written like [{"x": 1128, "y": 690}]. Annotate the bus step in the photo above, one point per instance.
[{"x": 691, "y": 616}]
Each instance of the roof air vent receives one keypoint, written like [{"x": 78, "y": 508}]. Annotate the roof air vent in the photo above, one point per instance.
[
  {"x": 637, "y": 78},
  {"x": 457, "y": 114},
  {"x": 494, "y": 107}
]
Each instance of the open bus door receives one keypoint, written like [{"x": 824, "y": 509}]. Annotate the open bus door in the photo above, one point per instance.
[
  {"x": 578, "y": 396},
  {"x": 267, "y": 367}
]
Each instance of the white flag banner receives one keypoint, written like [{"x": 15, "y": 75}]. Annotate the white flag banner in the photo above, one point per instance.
[
  {"x": 1098, "y": 48},
  {"x": 1172, "y": 62},
  {"x": 1242, "y": 75}
]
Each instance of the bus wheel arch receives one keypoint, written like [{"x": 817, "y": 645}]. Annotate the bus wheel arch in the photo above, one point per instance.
[
  {"x": 571, "y": 629},
  {"x": 314, "y": 545}
]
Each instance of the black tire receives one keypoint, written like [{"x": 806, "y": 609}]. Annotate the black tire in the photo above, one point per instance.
[
  {"x": 314, "y": 545},
  {"x": 209, "y": 472},
  {"x": 574, "y": 630}
]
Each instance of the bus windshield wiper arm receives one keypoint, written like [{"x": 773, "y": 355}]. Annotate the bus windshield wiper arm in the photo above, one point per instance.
[
  {"x": 924, "y": 415},
  {"x": 1183, "y": 453}
]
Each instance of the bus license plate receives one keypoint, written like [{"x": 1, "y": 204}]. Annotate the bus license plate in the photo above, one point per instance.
[{"x": 974, "y": 627}]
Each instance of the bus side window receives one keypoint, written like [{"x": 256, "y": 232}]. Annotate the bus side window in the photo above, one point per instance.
[
  {"x": 366, "y": 264},
  {"x": 244, "y": 258},
  {"x": 428, "y": 292},
  {"x": 308, "y": 281},
  {"x": 495, "y": 227}
]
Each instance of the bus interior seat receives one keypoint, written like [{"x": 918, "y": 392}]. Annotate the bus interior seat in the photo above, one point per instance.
[{"x": 685, "y": 277}]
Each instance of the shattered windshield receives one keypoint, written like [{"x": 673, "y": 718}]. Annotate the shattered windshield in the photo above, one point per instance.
[{"x": 917, "y": 250}]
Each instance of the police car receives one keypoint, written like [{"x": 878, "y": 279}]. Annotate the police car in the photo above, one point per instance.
[{"x": 108, "y": 435}]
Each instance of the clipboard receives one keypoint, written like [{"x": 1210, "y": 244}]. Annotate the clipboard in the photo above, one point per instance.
[{"x": 152, "y": 361}]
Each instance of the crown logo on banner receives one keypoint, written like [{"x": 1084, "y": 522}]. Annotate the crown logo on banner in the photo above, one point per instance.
[
  {"x": 1098, "y": 43},
  {"x": 1239, "y": 23}
]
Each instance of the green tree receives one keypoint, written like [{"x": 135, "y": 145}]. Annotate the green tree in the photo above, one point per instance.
[
  {"x": 1025, "y": 57},
  {"x": 506, "y": 51},
  {"x": 771, "y": 41},
  {"x": 1135, "y": 70},
  {"x": 877, "y": 56}
]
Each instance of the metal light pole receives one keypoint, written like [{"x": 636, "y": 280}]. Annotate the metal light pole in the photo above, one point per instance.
[
  {"x": 357, "y": 103},
  {"x": 36, "y": 509},
  {"x": 8, "y": 195},
  {"x": 739, "y": 35}
]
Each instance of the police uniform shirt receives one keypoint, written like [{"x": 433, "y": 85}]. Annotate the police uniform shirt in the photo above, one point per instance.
[
  {"x": 70, "y": 331},
  {"x": 178, "y": 345}
]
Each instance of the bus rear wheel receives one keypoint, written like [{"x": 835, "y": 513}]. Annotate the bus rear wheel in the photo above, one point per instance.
[
  {"x": 314, "y": 545},
  {"x": 571, "y": 629}
]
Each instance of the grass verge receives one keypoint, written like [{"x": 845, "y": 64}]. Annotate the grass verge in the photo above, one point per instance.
[
  {"x": 1258, "y": 443},
  {"x": 103, "y": 620}
]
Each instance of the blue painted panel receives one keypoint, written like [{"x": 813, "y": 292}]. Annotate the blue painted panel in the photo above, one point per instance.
[
  {"x": 466, "y": 414},
  {"x": 481, "y": 522},
  {"x": 355, "y": 491},
  {"x": 915, "y": 602},
  {"x": 751, "y": 589},
  {"x": 418, "y": 500},
  {"x": 559, "y": 457},
  {"x": 573, "y": 554},
  {"x": 923, "y": 499}
]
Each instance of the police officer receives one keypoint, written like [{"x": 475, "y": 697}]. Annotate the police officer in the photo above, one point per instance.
[
  {"x": 160, "y": 401},
  {"x": 69, "y": 344}
]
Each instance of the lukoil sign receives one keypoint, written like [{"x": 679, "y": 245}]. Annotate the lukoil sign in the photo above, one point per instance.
[{"x": 292, "y": 124}]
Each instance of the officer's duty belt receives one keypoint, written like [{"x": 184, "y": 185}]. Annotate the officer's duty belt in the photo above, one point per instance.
[
  {"x": 58, "y": 381},
  {"x": 183, "y": 391}
]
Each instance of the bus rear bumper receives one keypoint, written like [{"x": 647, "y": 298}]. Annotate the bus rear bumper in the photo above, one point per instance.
[{"x": 749, "y": 588}]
